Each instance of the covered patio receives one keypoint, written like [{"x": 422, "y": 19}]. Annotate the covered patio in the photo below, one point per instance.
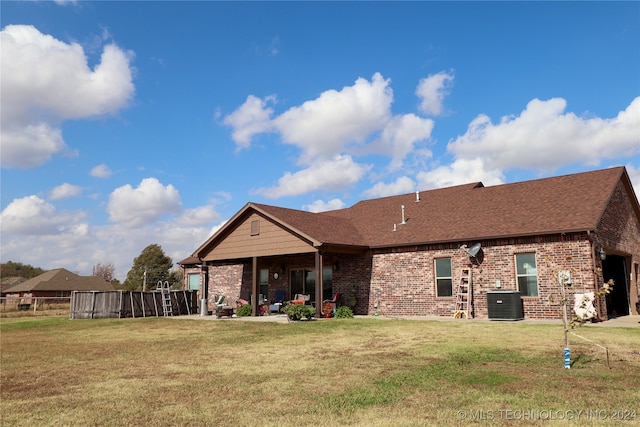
[{"x": 257, "y": 253}]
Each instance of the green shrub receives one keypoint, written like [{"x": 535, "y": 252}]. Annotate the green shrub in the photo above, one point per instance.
[
  {"x": 243, "y": 310},
  {"x": 299, "y": 311},
  {"x": 343, "y": 312}
]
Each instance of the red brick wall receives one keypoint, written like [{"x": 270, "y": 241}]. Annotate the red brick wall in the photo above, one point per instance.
[
  {"x": 226, "y": 280},
  {"x": 619, "y": 233},
  {"x": 403, "y": 281},
  {"x": 353, "y": 278}
]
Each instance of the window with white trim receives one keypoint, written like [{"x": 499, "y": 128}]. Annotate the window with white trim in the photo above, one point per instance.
[
  {"x": 527, "y": 274},
  {"x": 444, "y": 281},
  {"x": 194, "y": 282}
]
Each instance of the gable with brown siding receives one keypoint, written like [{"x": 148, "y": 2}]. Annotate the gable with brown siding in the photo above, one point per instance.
[{"x": 257, "y": 235}]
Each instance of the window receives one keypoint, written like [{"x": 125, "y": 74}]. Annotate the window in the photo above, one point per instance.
[
  {"x": 264, "y": 283},
  {"x": 444, "y": 283},
  {"x": 527, "y": 274},
  {"x": 194, "y": 282},
  {"x": 327, "y": 283}
]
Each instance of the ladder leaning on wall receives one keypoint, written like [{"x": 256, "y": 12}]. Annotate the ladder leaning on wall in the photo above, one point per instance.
[
  {"x": 463, "y": 295},
  {"x": 167, "y": 307}
]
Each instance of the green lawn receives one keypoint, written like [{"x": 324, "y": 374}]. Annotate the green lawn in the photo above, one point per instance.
[{"x": 365, "y": 371}]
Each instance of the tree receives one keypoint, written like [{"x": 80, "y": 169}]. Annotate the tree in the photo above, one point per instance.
[
  {"x": 104, "y": 270},
  {"x": 176, "y": 277},
  {"x": 150, "y": 267},
  {"x": 18, "y": 269}
]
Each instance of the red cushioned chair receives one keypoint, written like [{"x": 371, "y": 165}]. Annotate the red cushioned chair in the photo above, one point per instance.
[{"x": 332, "y": 303}]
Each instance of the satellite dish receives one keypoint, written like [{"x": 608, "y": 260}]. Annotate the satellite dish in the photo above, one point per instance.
[{"x": 473, "y": 251}]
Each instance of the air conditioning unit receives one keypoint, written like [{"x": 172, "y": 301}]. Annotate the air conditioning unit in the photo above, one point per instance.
[{"x": 504, "y": 305}]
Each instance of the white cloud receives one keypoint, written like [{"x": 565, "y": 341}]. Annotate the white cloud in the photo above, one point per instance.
[
  {"x": 322, "y": 206},
  {"x": 32, "y": 215},
  {"x": 634, "y": 176},
  {"x": 334, "y": 174},
  {"x": 544, "y": 137},
  {"x": 461, "y": 171},
  {"x": 65, "y": 190},
  {"x": 330, "y": 130},
  {"x": 432, "y": 91},
  {"x": 253, "y": 117},
  {"x": 46, "y": 81},
  {"x": 399, "y": 137},
  {"x": 199, "y": 216},
  {"x": 213, "y": 231},
  {"x": 78, "y": 247},
  {"x": 31, "y": 145},
  {"x": 323, "y": 127},
  {"x": 401, "y": 185},
  {"x": 101, "y": 171},
  {"x": 146, "y": 203},
  {"x": 34, "y": 232}
]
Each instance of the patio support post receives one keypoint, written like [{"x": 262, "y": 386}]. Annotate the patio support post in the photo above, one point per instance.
[
  {"x": 205, "y": 282},
  {"x": 254, "y": 288},
  {"x": 319, "y": 284}
]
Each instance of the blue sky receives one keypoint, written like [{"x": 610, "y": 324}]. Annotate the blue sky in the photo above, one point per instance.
[{"x": 131, "y": 123}]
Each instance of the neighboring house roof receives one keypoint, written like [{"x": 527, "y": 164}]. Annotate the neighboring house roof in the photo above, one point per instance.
[
  {"x": 9, "y": 282},
  {"x": 62, "y": 280},
  {"x": 468, "y": 212}
]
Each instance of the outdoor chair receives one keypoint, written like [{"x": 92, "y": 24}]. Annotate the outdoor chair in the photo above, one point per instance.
[
  {"x": 301, "y": 299},
  {"x": 220, "y": 301},
  {"x": 329, "y": 305},
  {"x": 222, "y": 309},
  {"x": 263, "y": 304},
  {"x": 278, "y": 301}
]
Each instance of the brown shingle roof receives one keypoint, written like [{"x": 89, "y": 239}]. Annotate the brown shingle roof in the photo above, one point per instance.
[
  {"x": 544, "y": 206},
  {"x": 191, "y": 260},
  {"x": 325, "y": 227},
  {"x": 465, "y": 212},
  {"x": 9, "y": 282},
  {"x": 461, "y": 213},
  {"x": 63, "y": 280}
]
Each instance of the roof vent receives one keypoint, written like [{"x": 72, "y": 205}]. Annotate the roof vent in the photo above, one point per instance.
[
  {"x": 417, "y": 196},
  {"x": 395, "y": 227},
  {"x": 403, "y": 220}
]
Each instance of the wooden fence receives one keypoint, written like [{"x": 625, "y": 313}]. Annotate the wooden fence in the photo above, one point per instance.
[{"x": 103, "y": 304}]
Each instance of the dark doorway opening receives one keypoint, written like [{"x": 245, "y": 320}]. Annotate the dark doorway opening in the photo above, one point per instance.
[{"x": 614, "y": 267}]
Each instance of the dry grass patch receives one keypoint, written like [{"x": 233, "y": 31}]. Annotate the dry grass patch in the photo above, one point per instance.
[{"x": 166, "y": 372}]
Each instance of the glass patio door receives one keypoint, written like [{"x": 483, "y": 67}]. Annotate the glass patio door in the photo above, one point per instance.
[{"x": 303, "y": 281}]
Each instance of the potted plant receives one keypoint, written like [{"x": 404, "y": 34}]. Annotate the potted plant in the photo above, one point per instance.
[
  {"x": 352, "y": 299},
  {"x": 327, "y": 309}
]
